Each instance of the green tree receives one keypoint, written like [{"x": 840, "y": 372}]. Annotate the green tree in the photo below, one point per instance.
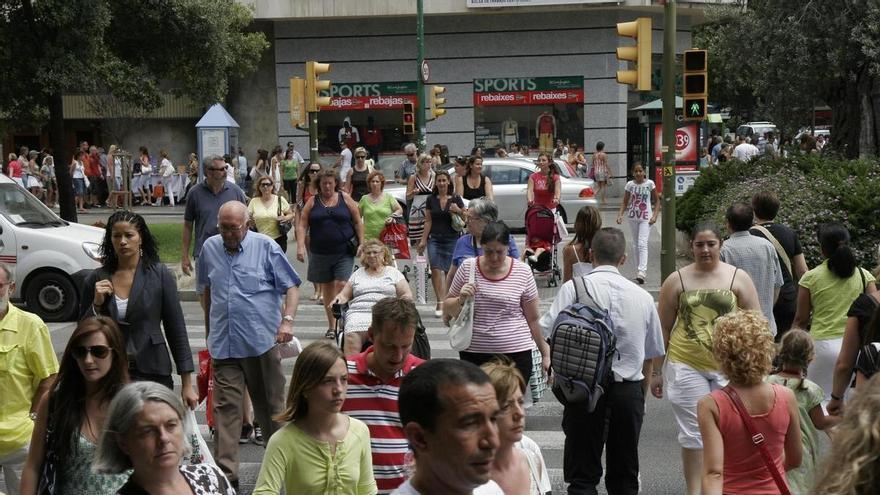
[
  {"x": 132, "y": 50},
  {"x": 779, "y": 58}
]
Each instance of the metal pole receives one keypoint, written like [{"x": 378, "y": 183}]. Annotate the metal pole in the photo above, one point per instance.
[
  {"x": 313, "y": 138},
  {"x": 421, "y": 129},
  {"x": 667, "y": 245}
]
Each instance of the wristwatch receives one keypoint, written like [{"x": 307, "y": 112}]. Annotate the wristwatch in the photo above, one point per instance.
[
  {"x": 287, "y": 318},
  {"x": 33, "y": 416}
]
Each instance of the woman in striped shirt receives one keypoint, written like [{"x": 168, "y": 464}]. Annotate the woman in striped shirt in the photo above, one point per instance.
[{"x": 505, "y": 304}]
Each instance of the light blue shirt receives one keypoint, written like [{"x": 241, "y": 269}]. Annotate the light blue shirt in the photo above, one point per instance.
[
  {"x": 632, "y": 310},
  {"x": 247, "y": 290}
]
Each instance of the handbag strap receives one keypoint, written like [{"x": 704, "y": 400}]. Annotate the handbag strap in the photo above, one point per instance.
[
  {"x": 779, "y": 250},
  {"x": 757, "y": 439}
]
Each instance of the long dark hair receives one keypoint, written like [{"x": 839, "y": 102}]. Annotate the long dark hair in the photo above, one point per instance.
[
  {"x": 67, "y": 399},
  {"x": 834, "y": 240},
  {"x": 149, "y": 252},
  {"x": 587, "y": 222}
]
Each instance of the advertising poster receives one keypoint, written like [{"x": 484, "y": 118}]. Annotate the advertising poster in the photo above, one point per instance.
[{"x": 686, "y": 143}]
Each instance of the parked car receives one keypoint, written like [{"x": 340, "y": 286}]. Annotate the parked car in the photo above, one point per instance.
[
  {"x": 510, "y": 177},
  {"x": 756, "y": 130},
  {"x": 49, "y": 256},
  {"x": 819, "y": 131}
]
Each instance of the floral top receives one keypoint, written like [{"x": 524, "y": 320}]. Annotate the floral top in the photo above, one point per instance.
[
  {"x": 75, "y": 476},
  {"x": 203, "y": 479}
]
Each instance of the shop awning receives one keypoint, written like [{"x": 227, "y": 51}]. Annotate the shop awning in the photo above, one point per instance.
[{"x": 658, "y": 104}]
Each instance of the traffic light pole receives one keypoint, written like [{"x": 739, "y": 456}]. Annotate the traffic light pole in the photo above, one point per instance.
[
  {"x": 421, "y": 128},
  {"x": 667, "y": 245},
  {"x": 314, "y": 157}
]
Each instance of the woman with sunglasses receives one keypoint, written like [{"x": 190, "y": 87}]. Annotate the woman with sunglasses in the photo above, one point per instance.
[
  {"x": 305, "y": 189},
  {"x": 267, "y": 209},
  {"x": 140, "y": 294},
  {"x": 93, "y": 368},
  {"x": 356, "y": 181}
]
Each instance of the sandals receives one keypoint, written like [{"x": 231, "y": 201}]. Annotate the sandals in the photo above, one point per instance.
[{"x": 330, "y": 334}]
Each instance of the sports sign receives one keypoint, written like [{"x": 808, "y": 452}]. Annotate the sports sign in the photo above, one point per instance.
[{"x": 517, "y": 91}]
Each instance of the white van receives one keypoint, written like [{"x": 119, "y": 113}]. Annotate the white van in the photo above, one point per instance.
[{"x": 49, "y": 256}]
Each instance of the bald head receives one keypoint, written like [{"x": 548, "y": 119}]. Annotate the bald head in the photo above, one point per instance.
[
  {"x": 232, "y": 222},
  {"x": 234, "y": 210}
]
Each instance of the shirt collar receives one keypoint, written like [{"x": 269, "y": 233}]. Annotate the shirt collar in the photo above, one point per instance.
[
  {"x": 606, "y": 269},
  {"x": 742, "y": 233},
  {"x": 10, "y": 321},
  {"x": 360, "y": 362}
]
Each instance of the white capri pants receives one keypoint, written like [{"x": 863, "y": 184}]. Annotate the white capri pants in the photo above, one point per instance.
[
  {"x": 684, "y": 387},
  {"x": 821, "y": 370}
]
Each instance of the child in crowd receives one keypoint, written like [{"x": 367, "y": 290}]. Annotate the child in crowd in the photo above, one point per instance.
[
  {"x": 537, "y": 253},
  {"x": 794, "y": 357},
  {"x": 642, "y": 205}
]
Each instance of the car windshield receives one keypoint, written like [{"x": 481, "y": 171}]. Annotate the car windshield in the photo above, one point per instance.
[{"x": 22, "y": 208}]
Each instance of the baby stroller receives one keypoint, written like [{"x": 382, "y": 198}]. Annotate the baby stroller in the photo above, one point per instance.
[{"x": 541, "y": 229}]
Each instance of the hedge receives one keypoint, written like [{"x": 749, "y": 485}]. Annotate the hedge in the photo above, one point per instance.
[{"x": 812, "y": 189}]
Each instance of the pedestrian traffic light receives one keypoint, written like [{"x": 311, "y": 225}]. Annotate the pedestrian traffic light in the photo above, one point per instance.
[
  {"x": 639, "y": 55},
  {"x": 314, "y": 86},
  {"x": 437, "y": 102},
  {"x": 409, "y": 118},
  {"x": 696, "y": 84}
]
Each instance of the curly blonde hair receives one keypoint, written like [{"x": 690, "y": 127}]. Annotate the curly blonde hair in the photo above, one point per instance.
[
  {"x": 854, "y": 461},
  {"x": 387, "y": 257},
  {"x": 743, "y": 347}
]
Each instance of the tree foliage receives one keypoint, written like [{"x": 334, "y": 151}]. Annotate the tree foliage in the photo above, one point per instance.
[
  {"x": 132, "y": 50},
  {"x": 777, "y": 59}
]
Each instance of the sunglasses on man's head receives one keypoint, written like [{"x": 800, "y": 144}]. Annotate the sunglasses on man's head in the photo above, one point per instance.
[{"x": 97, "y": 351}]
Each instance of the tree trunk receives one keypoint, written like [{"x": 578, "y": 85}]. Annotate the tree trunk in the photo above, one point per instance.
[
  {"x": 867, "y": 120},
  {"x": 62, "y": 158},
  {"x": 844, "y": 100}
]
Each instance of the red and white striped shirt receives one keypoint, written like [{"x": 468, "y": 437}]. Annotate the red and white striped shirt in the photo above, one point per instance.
[
  {"x": 374, "y": 402},
  {"x": 500, "y": 324}
]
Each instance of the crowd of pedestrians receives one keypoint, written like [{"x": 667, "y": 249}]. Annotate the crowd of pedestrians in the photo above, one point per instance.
[{"x": 363, "y": 415}]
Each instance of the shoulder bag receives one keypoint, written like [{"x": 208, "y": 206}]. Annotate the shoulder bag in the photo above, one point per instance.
[
  {"x": 283, "y": 225},
  {"x": 458, "y": 224},
  {"x": 779, "y": 250},
  {"x": 461, "y": 329},
  {"x": 757, "y": 439}
]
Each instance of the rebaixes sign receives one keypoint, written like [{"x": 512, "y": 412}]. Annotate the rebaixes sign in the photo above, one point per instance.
[{"x": 528, "y": 91}]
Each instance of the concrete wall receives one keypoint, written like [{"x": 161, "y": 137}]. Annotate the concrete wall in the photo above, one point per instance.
[
  {"x": 177, "y": 137},
  {"x": 461, "y": 48},
  {"x": 252, "y": 101}
]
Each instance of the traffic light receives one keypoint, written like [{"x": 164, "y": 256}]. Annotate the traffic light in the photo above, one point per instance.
[
  {"x": 409, "y": 118},
  {"x": 639, "y": 55},
  {"x": 297, "y": 102},
  {"x": 696, "y": 84},
  {"x": 437, "y": 102},
  {"x": 314, "y": 86}
]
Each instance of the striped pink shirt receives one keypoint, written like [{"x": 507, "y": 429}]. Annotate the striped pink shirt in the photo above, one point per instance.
[{"x": 500, "y": 324}]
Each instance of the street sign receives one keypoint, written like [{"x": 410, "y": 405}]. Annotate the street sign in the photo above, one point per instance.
[{"x": 425, "y": 71}]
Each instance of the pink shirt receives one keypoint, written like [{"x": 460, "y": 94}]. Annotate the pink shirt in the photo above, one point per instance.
[
  {"x": 543, "y": 196},
  {"x": 15, "y": 169},
  {"x": 500, "y": 324},
  {"x": 744, "y": 468}
]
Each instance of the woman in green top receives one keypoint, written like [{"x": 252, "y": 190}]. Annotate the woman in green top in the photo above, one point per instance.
[
  {"x": 377, "y": 206},
  {"x": 320, "y": 450},
  {"x": 690, "y": 302},
  {"x": 289, "y": 174},
  {"x": 827, "y": 292}
]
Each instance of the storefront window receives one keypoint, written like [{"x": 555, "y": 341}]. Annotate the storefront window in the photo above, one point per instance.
[
  {"x": 532, "y": 111},
  {"x": 365, "y": 114}
]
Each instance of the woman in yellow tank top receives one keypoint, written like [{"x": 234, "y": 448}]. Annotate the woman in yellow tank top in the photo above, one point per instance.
[{"x": 690, "y": 301}]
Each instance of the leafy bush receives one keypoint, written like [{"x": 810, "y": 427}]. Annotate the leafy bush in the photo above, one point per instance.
[{"x": 812, "y": 190}]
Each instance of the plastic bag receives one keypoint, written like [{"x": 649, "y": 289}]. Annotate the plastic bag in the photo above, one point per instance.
[
  {"x": 205, "y": 383},
  {"x": 200, "y": 454},
  {"x": 395, "y": 237}
]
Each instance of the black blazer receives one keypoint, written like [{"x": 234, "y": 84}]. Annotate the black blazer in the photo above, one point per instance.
[{"x": 153, "y": 300}]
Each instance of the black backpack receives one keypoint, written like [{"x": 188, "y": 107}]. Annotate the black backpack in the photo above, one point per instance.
[{"x": 582, "y": 346}]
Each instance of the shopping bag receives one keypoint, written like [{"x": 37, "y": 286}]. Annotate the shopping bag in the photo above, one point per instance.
[
  {"x": 395, "y": 237},
  {"x": 158, "y": 191},
  {"x": 200, "y": 453},
  {"x": 204, "y": 375}
]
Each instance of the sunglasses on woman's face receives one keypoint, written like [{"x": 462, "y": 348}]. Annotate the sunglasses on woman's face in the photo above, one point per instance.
[
  {"x": 266, "y": 184},
  {"x": 97, "y": 351},
  {"x": 314, "y": 170}
]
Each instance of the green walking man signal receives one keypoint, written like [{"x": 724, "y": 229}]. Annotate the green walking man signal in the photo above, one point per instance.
[{"x": 696, "y": 84}]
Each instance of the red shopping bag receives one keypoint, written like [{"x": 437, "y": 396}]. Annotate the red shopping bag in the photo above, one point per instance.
[
  {"x": 205, "y": 383},
  {"x": 394, "y": 236}
]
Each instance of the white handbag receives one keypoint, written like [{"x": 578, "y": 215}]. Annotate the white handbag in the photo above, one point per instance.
[{"x": 461, "y": 329}]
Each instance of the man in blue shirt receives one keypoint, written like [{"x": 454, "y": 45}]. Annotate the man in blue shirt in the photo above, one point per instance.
[{"x": 250, "y": 293}]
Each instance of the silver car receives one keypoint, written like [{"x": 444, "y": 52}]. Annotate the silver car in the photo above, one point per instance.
[{"x": 510, "y": 178}]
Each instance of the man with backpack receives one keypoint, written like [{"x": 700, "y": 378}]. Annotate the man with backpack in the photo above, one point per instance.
[{"x": 604, "y": 300}]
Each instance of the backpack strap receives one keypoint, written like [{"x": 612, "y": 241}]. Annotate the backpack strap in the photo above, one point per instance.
[
  {"x": 583, "y": 296},
  {"x": 779, "y": 250},
  {"x": 864, "y": 282}
]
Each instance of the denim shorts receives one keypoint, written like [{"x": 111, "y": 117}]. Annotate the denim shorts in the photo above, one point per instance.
[
  {"x": 325, "y": 268},
  {"x": 79, "y": 187},
  {"x": 440, "y": 251}
]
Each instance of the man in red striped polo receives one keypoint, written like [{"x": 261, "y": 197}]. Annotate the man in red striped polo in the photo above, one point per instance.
[{"x": 374, "y": 378}]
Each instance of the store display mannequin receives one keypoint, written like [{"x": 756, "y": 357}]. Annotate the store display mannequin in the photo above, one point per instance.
[
  {"x": 545, "y": 126},
  {"x": 349, "y": 133},
  {"x": 509, "y": 132}
]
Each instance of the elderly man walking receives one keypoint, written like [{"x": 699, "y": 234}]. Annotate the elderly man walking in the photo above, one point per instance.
[{"x": 250, "y": 292}]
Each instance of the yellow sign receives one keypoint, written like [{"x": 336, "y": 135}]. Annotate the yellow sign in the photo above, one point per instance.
[
  {"x": 298, "y": 115},
  {"x": 667, "y": 171}
]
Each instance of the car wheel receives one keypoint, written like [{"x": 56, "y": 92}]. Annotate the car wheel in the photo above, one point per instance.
[{"x": 52, "y": 296}]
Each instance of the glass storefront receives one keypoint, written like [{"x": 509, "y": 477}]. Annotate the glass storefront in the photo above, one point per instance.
[{"x": 532, "y": 111}]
